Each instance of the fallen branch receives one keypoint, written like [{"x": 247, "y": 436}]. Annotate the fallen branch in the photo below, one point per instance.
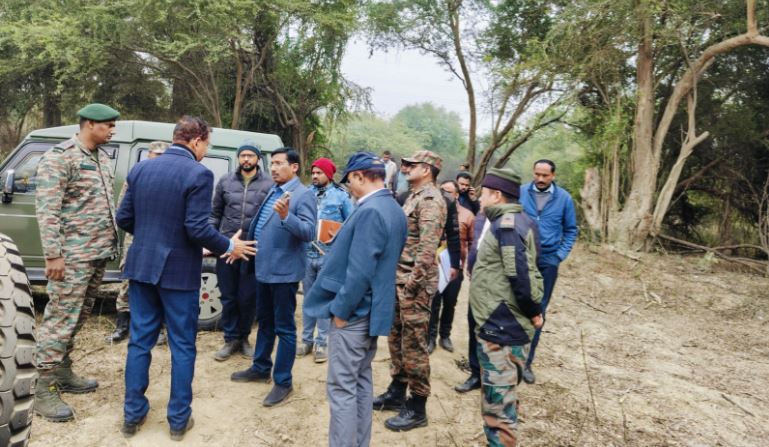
[
  {"x": 587, "y": 374},
  {"x": 586, "y": 304},
  {"x": 750, "y": 264},
  {"x": 731, "y": 401}
]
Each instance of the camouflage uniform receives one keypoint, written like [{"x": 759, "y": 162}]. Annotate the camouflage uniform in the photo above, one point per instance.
[
  {"x": 499, "y": 399},
  {"x": 416, "y": 280},
  {"x": 75, "y": 213}
]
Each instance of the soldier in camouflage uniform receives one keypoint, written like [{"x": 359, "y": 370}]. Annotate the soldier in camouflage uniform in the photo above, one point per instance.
[
  {"x": 504, "y": 297},
  {"x": 416, "y": 283},
  {"x": 122, "y": 324},
  {"x": 75, "y": 212}
]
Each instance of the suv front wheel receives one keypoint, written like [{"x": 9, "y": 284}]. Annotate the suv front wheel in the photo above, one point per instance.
[{"x": 210, "y": 297}]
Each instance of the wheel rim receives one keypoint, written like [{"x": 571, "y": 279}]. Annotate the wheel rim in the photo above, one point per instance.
[{"x": 210, "y": 302}]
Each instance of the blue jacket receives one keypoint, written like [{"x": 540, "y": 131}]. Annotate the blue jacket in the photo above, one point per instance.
[
  {"x": 358, "y": 277},
  {"x": 334, "y": 204},
  {"x": 166, "y": 208},
  {"x": 557, "y": 222},
  {"x": 280, "y": 255}
]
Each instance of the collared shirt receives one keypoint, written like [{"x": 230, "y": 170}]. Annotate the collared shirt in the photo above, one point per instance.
[
  {"x": 265, "y": 211},
  {"x": 362, "y": 199}
]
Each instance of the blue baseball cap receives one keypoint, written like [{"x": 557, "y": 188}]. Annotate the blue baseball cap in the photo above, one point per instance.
[{"x": 360, "y": 161}]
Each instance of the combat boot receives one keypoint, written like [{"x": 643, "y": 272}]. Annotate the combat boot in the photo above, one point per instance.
[
  {"x": 69, "y": 382},
  {"x": 412, "y": 415},
  {"x": 393, "y": 398},
  {"x": 48, "y": 403},
  {"x": 122, "y": 324}
]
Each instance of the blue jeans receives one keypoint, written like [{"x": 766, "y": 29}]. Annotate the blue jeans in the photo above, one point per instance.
[
  {"x": 237, "y": 283},
  {"x": 151, "y": 305},
  {"x": 309, "y": 323},
  {"x": 549, "y": 273},
  {"x": 275, "y": 306}
]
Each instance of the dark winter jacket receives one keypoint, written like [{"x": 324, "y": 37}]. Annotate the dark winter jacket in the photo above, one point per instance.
[{"x": 233, "y": 206}]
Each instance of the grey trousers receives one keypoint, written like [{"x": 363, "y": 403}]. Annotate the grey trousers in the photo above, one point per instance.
[{"x": 349, "y": 385}]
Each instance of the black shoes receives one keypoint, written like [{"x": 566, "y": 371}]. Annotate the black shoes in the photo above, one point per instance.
[
  {"x": 430, "y": 346},
  {"x": 472, "y": 383},
  {"x": 392, "y": 399},
  {"x": 277, "y": 395},
  {"x": 122, "y": 324},
  {"x": 178, "y": 435},
  {"x": 528, "y": 375},
  {"x": 250, "y": 375},
  {"x": 129, "y": 429},
  {"x": 446, "y": 344},
  {"x": 229, "y": 348},
  {"x": 412, "y": 415}
]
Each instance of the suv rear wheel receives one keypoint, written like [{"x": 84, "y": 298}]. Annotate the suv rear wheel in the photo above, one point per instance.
[{"x": 18, "y": 375}]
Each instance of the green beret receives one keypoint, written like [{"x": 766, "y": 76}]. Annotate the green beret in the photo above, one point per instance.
[{"x": 98, "y": 112}]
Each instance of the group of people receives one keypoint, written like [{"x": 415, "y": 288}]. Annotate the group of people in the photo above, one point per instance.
[{"x": 375, "y": 258}]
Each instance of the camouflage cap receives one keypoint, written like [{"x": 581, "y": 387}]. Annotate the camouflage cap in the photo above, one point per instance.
[
  {"x": 158, "y": 147},
  {"x": 98, "y": 112},
  {"x": 427, "y": 157}
]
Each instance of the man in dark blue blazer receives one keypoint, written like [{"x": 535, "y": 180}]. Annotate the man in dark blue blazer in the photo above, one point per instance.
[
  {"x": 356, "y": 287},
  {"x": 282, "y": 227},
  {"x": 166, "y": 208}
]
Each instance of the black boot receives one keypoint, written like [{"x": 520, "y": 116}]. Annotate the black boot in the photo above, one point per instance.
[
  {"x": 122, "y": 323},
  {"x": 412, "y": 415},
  {"x": 393, "y": 398}
]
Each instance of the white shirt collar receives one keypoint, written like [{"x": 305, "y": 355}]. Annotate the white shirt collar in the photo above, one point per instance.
[
  {"x": 549, "y": 189},
  {"x": 360, "y": 201}
]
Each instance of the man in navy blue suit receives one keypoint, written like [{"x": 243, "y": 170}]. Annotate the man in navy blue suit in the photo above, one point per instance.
[
  {"x": 356, "y": 287},
  {"x": 282, "y": 227},
  {"x": 164, "y": 265}
]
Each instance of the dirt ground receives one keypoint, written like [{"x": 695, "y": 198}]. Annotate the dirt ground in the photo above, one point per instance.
[{"x": 661, "y": 351}]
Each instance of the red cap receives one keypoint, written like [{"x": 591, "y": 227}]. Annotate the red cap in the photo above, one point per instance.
[{"x": 327, "y": 166}]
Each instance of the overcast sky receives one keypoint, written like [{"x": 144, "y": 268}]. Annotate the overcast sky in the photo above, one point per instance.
[{"x": 401, "y": 78}]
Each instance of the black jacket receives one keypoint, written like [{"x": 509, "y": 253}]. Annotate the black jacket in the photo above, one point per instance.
[{"x": 233, "y": 206}]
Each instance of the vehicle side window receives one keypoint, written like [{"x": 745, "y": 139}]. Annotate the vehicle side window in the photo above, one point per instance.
[
  {"x": 26, "y": 173},
  {"x": 218, "y": 165}
]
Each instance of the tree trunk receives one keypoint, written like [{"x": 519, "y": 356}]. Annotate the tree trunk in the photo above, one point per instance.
[
  {"x": 467, "y": 81},
  {"x": 631, "y": 225},
  {"x": 591, "y": 200}
]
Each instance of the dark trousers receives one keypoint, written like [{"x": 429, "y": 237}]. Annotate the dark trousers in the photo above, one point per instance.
[
  {"x": 275, "y": 306},
  {"x": 549, "y": 275},
  {"x": 447, "y": 300},
  {"x": 238, "y": 286},
  {"x": 472, "y": 345},
  {"x": 150, "y": 306}
]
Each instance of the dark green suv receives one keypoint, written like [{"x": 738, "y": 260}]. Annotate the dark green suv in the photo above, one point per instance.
[{"x": 127, "y": 147}]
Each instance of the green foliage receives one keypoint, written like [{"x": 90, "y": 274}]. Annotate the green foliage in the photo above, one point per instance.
[
  {"x": 441, "y": 128},
  {"x": 367, "y": 132}
]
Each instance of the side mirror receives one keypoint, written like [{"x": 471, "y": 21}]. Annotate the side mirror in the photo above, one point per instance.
[{"x": 10, "y": 178}]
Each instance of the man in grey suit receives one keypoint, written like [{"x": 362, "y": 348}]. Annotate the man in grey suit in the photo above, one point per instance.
[{"x": 356, "y": 287}]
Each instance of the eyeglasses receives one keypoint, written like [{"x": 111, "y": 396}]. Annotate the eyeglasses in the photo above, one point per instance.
[{"x": 248, "y": 156}]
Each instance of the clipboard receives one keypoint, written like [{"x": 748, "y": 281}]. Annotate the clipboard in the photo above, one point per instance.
[{"x": 327, "y": 229}]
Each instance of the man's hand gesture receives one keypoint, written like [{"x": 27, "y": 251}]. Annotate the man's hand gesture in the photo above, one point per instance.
[{"x": 242, "y": 249}]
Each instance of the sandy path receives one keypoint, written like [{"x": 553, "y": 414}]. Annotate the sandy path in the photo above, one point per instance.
[{"x": 685, "y": 363}]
